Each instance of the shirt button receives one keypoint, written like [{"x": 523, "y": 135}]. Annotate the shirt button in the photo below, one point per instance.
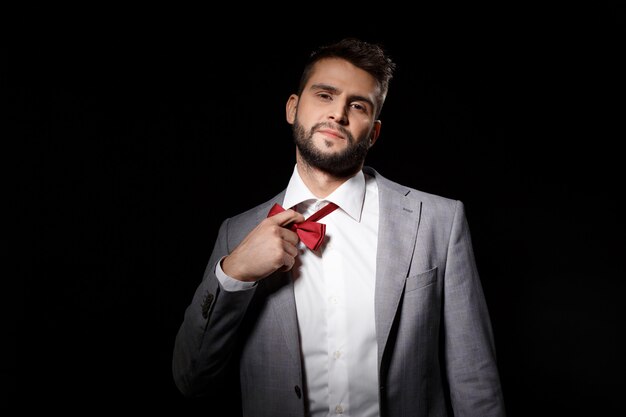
[
  {"x": 332, "y": 299},
  {"x": 337, "y": 354},
  {"x": 339, "y": 409}
]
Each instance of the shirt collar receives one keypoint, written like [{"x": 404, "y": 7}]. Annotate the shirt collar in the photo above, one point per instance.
[{"x": 349, "y": 196}]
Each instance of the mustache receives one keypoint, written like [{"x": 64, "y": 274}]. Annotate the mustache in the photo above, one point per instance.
[{"x": 339, "y": 128}]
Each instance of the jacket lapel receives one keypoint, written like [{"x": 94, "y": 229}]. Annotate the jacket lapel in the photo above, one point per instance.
[
  {"x": 284, "y": 306},
  {"x": 397, "y": 233},
  {"x": 284, "y": 301}
]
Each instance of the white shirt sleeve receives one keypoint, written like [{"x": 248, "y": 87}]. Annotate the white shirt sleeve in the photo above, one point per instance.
[{"x": 228, "y": 283}]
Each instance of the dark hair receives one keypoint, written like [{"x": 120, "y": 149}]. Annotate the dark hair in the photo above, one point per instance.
[{"x": 369, "y": 57}]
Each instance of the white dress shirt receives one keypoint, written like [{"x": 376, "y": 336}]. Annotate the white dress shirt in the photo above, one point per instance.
[{"x": 334, "y": 292}]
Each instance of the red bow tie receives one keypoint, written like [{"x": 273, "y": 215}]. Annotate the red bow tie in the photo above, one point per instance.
[{"x": 311, "y": 232}]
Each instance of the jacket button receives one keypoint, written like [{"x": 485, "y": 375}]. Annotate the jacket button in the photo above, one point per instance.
[
  {"x": 208, "y": 299},
  {"x": 298, "y": 391}
]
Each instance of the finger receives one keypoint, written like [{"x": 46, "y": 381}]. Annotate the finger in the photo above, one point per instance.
[
  {"x": 288, "y": 263},
  {"x": 290, "y": 249},
  {"x": 286, "y": 217},
  {"x": 289, "y": 236}
]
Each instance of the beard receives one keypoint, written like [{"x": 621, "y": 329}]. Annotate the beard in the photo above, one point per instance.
[{"x": 341, "y": 164}]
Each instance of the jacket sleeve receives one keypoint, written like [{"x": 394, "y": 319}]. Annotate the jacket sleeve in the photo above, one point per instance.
[
  {"x": 469, "y": 346},
  {"x": 207, "y": 336}
]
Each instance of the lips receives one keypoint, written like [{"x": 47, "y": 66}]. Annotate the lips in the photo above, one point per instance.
[{"x": 331, "y": 132}]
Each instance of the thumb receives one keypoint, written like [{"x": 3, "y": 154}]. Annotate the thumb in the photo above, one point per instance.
[{"x": 286, "y": 217}]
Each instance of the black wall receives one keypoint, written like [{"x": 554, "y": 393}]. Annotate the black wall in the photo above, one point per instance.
[{"x": 142, "y": 134}]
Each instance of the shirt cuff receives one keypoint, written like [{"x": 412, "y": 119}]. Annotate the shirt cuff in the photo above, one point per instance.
[{"x": 228, "y": 283}]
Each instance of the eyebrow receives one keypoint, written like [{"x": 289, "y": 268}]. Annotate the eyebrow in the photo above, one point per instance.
[{"x": 335, "y": 90}]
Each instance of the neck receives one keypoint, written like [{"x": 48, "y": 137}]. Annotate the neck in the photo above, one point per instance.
[{"x": 321, "y": 183}]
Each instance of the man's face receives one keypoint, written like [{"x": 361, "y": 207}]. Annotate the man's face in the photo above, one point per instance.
[{"x": 333, "y": 119}]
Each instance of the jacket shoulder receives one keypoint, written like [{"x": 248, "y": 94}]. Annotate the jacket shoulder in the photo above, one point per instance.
[
  {"x": 239, "y": 225},
  {"x": 433, "y": 202}
]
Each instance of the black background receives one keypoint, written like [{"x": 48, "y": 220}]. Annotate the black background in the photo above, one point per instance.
[{"x": 144, "y": 130}]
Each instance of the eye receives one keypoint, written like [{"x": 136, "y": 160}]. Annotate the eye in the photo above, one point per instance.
[
  {"x": 325, "y": 96},
  {"x": 359, "y": 107}
]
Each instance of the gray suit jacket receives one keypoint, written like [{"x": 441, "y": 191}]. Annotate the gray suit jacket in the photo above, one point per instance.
[{"x": 436, "y": 354}]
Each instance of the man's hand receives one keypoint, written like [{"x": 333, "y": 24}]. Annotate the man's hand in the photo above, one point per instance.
[{"x": 269, "y": 247}]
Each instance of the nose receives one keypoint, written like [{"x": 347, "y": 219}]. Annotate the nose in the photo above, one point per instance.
[{"x": 338, "y": 113}]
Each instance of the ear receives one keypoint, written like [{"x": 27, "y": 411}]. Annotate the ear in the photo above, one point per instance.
[
  {"x": 375, "y": 132},
  {"x": 291, "y": 108}
]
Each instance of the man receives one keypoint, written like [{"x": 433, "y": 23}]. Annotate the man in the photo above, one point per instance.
[{"x": 383, "y": 316}]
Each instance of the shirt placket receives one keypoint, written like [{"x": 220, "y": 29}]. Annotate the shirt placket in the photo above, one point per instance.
[{"x": 337, "y": 325}]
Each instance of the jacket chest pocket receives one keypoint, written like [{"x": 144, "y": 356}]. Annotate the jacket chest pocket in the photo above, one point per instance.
[{"x": 420, "y": 280}]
